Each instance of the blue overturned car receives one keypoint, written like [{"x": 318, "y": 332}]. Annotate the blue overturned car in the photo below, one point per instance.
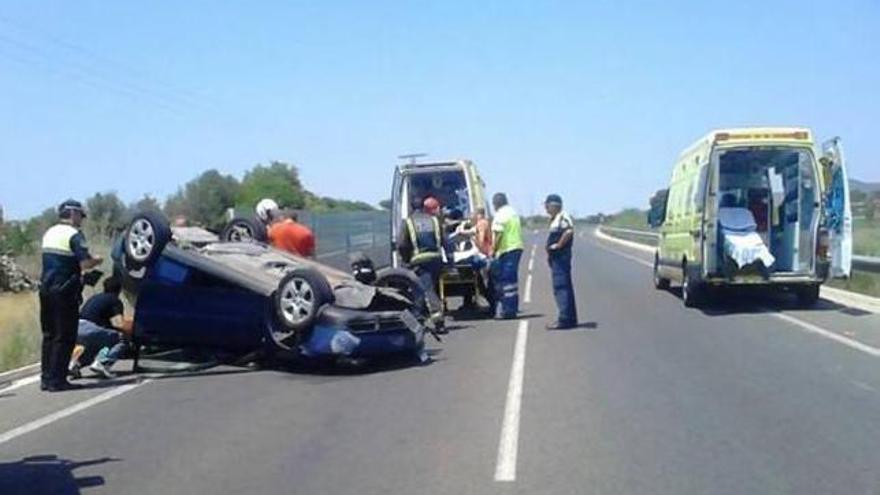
[{"x": 193, "y": 290}]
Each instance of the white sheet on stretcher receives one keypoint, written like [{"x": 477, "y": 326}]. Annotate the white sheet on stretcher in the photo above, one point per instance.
[{"x": 741, "y": 240}]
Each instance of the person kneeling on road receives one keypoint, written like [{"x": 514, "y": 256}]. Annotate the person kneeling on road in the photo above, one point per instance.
[
  {"x": 421, "y": 247},
  {"x": 103, "y": 331}
]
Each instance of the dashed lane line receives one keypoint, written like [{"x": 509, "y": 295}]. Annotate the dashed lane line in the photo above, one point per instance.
[
  {"x": 527, "y": 293},
  {"x": 505, "y": 465}
]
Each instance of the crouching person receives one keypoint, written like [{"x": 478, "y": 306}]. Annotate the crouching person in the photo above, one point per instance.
[{"x": 103, "y": 331}]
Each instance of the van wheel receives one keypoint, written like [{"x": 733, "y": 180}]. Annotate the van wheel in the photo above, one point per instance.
[
  {"x": 808, "y": 296},
  {"x": 660, "y": 283},
  {"x": 691, "y": 289}
]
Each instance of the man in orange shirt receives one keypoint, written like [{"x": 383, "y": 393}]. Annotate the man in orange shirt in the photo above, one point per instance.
[{"x": 283, "y": 230}]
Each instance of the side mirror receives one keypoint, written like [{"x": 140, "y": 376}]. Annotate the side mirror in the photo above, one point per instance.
[
  {"x": 654, "y": 219},
  {"x": 657, "y": 213}
]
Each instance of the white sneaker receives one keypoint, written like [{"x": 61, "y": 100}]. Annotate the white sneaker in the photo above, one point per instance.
[{"x": 102, "y": 370}]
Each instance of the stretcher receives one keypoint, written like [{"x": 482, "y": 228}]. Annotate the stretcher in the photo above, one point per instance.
[
  {"x": 741, "y": 241},
  {"x": 462, "y": 278}
]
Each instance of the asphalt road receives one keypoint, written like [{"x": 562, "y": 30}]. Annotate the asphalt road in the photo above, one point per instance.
[{"x": 645, "y": 397}]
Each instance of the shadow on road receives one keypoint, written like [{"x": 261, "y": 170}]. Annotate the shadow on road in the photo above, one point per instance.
[
  {"x": 355, "y": 367},
  {"x": 589, "y": 325},
  {"x": 760, "y": 300},
  {"x": 48, "y": 474}
]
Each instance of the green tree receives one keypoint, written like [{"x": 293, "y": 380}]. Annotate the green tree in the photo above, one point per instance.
[
  {"x": 146, "y": 203},
  {"x": 858, "y": 196},
  {"x": 106, "y": 213},
  {"x": 278, "y": 181},
  {"x": 872, "y": 205},
  {"x": 205, "y": 199},
  {"x": 385, "y": 204}
]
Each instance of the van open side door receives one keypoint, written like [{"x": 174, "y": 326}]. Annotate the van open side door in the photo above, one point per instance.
[
  {"x": 837, "y": 208},
  {"x": 396, "y": 214}
]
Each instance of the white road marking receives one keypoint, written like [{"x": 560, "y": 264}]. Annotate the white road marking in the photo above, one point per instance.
[
  {"x": 531, "y": 263},
  {"x": 21, "y": 383},
  {"x": 624, "y": 255},
  {"x": 864, "y": 386},
  {"x": 527, "y": 294},
  {"x": 815, "y": 329},
  {"x": 828, "y": 334},
  {"x": 505, "y": 465},
  {"x": 69, "y": 411}
]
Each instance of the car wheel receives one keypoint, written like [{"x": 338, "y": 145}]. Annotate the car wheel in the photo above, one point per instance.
[
  {"x": 691, "y": 289},
  {"x": 660, "y": 283},
  {"x": 808, "y": 296},
  {"x": 298, "y": 299},
  {"x": 144, "y": 240},
  {"x": 244, "y": 229},
  {"x": 407, "y": 283}
]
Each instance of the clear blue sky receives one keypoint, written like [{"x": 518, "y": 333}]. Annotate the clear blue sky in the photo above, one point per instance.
[{"x": 592, "y": 100}]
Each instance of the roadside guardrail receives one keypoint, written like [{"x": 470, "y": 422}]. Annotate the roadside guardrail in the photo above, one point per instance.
[{"x": 861, "y": 263}]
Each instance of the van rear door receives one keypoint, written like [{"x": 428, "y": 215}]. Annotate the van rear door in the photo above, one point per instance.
[
  {"x": 397, "y": 212},
  {"x": 838, "y": 211}
]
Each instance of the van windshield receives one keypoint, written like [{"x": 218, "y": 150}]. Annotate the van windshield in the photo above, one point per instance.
[{"x": 449, "y": 187}]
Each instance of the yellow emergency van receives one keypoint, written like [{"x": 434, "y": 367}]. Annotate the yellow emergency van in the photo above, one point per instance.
[{"x": 754, "y": 206}]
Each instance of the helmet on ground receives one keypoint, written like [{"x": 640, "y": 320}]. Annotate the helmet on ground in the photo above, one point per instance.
[{"x": 265, "y": 208}]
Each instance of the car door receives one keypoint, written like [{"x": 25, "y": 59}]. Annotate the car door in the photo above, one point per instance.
[{"x": 838, "y": 210}]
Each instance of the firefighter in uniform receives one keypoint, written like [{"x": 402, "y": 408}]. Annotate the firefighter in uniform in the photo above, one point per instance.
[
  {"x": 421, "y": 248},
  {"x": 559, "y": 243},
  {"x": 65, "y": 257}
]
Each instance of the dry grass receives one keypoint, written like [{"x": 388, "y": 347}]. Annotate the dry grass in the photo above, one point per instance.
[
  {"x": 19, "y": 330},
  {"x": 20, "y": 316}
]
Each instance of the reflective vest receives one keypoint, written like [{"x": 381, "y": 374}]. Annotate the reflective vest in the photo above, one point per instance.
[
  {"x": 559, "y": 225},
  {"x": 425, "y": 236},
  {"x": 60, "y": 258}
]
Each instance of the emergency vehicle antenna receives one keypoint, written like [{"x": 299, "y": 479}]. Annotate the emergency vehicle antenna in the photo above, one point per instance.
[{"x": 412, "y": 157}]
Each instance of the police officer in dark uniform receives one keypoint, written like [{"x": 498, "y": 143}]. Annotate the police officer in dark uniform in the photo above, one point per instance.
[
  {"x": 559, "y": 243},
  {"x": 421, "y": 248},
  {"x": 65, "y": 257}
]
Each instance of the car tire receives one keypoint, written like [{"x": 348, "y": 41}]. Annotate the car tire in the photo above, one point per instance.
[
  {"x": 808, "y": 296},
  {"x": 407, "y": 283},
  {"x": 298, "y": 300},
  {"x": 145, "y": 238},
  {"x": 660, "y": 283},
  {"x": 692, "y": 290},
  {"x": 244, "y": 229}
]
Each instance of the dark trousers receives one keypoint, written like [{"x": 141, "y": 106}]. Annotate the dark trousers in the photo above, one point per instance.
[
  {"x": 429, "y": 274},
  {"x": 563, "y": 289},
  {"x": 505, "y": 274},
  {"x": 59, "y": 319}
]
